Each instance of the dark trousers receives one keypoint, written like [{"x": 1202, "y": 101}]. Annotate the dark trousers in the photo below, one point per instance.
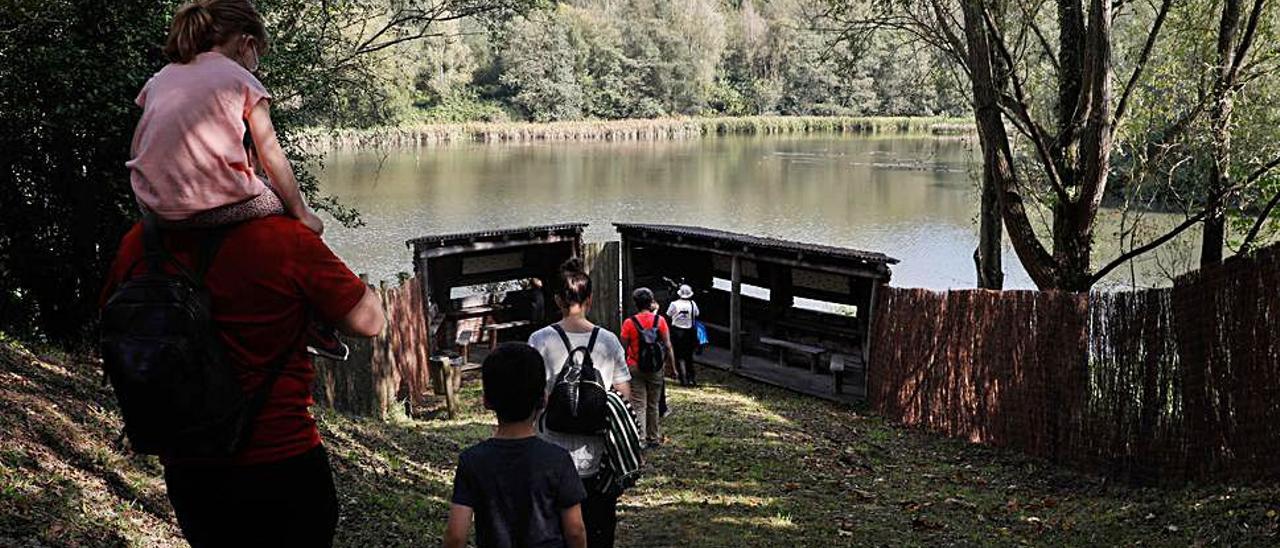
[
  {"x": 684, "y": 342},
  {"x": 600, "y": 515},
  {"x": 287, "y": 503}
]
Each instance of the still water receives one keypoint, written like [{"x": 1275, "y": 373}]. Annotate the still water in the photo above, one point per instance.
[{"x": 914, "y": 199}]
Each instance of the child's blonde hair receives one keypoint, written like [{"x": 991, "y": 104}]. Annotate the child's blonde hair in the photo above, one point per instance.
[{"x": 201, "y": 25}]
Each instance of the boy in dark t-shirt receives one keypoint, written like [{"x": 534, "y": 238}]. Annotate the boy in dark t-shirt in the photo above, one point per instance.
[{"x": 523, "y": 491}]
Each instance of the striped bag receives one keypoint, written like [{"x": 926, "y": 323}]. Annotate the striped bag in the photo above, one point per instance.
[{"x": 623, "y": 456}]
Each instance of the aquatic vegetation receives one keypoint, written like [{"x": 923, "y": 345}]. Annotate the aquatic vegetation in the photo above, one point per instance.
[{"x": 657, "y": 129}]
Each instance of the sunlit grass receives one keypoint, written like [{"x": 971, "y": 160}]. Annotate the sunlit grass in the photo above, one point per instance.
[{"x": 744, "y": 465}]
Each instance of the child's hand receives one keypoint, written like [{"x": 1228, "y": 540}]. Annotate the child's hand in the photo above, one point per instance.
[{"x": 313, "y": 222}]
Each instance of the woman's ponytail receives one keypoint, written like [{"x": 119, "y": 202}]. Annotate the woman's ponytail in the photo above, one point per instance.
[
  {"x": 575, "y": 283},
  {"x": 202, "y": 25}
]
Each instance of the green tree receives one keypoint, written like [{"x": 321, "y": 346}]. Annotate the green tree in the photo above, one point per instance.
[
  {"x": 676, "y": 48},
  {"x": 539, "y": 65},
  {"x": 1055, "y": 87},
  {"x": 69, "y": 70}
]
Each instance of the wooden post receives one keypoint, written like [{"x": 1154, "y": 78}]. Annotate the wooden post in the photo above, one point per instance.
[
  {"x": 451, "y": 373},
  {"x": 628, "y": 271},
  {"x": 424, "y": 303},
  {"x": 735, "y": 312},
  {"x": 866, "y": 336},
  {"x": 385, "y": 372}
]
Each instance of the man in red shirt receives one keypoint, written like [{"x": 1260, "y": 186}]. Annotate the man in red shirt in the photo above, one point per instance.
[
  {"x": 646, "y": 386},
  {"x": 269, "y": 278}
]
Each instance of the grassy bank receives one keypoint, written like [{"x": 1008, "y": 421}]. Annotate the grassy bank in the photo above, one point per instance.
[
  {"x": 745, "y": 465},
  {"x": 624, "y": 130}
]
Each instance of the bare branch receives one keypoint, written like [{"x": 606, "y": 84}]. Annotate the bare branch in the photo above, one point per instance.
[
  {"x": 1135, "y": 252},
  {"x": 1044, "y": 43},
  {"x": 1142, "y": 61},
  {"x": 1261, "y": 171},
  {"x": 1023, "y": 111},
  {"x": 1257, "y": 224},
  {"x": 1242, "y": 50},
  {"x": 1194, "y": 219}
]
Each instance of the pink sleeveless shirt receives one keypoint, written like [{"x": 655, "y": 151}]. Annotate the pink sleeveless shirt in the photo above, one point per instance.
[{"x": 188, "y": 149}]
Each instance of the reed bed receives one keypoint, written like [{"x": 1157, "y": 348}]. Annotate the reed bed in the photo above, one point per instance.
[{"x": 659, "y": 129}]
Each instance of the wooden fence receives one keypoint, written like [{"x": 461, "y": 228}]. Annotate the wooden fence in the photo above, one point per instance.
[
  {"x": 386, "y": 369},
  {"x": 393, "y": 367},
  {"x": 1155, "y": 385}
]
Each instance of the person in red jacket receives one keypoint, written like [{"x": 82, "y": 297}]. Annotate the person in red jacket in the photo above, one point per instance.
[
  {"x": 267, "y": 279},
  {"x": 646, "y": 386}
]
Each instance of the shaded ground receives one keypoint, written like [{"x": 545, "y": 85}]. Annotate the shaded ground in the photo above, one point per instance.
[{"x": 745, "y": 465}]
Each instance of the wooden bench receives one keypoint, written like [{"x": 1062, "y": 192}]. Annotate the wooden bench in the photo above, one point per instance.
[
  {"x": 833, "y": 328},
  {"x": 813, "y": 352},
  {"x": 841, "y": 363},
  {"x": 494, "y": 329}
]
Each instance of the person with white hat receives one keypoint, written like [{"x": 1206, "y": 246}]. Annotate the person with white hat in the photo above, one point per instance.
[{"x": 683, "y": 313}]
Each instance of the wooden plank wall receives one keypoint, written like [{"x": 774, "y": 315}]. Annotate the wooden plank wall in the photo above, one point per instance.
[{"x": 604, "y": 263}]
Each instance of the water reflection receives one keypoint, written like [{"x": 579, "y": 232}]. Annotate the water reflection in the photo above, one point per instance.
[{"x": 912, "y": 198}]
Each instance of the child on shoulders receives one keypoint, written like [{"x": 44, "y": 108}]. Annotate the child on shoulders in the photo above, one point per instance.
[
  {"x": 189, "y": 164},
  {"x": 206, "y": 131}
]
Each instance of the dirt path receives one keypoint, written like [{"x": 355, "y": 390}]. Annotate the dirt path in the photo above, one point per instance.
[{"x": 745, "y": 465}]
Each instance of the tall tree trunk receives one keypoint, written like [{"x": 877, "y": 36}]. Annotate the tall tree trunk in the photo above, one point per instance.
[
  {"x": 988, "y": 256},
  {"x": 1213, "y": 236},
  {"x": 1215, "y": 222},
  {"x": 997, "y": 166},
  {"x": 1074, "y": 256},
  {"x": 1071, "y": 110},
  {"x": 990, "y": 237}
]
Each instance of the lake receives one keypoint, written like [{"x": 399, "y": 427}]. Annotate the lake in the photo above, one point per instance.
[{"x": 913, "y": 198}]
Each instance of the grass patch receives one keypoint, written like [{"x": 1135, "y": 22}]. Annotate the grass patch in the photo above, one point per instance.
[{"x": 744, "y": 465}]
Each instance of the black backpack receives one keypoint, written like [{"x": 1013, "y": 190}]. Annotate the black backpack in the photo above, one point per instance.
[
  {"x": 577, "y": 402},
  {"x": 178, "y": 395},
  {"x": 652, "y": 352}
]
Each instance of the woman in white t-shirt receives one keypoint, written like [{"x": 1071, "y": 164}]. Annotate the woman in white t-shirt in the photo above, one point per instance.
[
  {"x": 683, "y": 313},
  {"x": 573, "y": 297}
]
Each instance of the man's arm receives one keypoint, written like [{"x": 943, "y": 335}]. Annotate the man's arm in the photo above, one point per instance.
[
  {"x": 575, "y": 531},
  {"x": 459, "y": 527},
  {"x": 624, "y": 388},
  {"x": 336, "y": 295},
  {"x": 366, "y": 318}
]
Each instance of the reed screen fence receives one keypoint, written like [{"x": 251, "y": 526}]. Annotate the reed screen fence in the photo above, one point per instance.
[{"x": 1159, "y": 385}]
